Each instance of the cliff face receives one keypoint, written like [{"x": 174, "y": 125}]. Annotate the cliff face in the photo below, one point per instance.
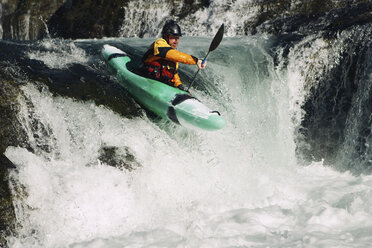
[
  {"x": 11, "y": 134},
  {"x": 87, "y": 19},
  {"x": 26, "y": 19},
  {"x": 311, "y": 19},
  {"x": 7, "y": 217},
  {"x": 34, "y": 19}
]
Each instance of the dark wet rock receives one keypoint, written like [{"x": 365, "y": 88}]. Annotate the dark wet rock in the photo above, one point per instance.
[
  {"x": 121, "y": 158},
  {"x": 328, "y": 107},
  {"x": 87, "y": 19},
  {"x": 337, "y": 124},
  {"x": 25, "y": 19},
  {"x": 311, "y": 19},
  {"x": 189, "y": 7},
  {"x": 268, "y": 10},
  {"x": 28, "y": 19},
  {"x": 7, "y": 215},
  {"x": 77, "y": 81},
  {"x": 104, "y": 19},
  {"x": 81, "y": 83},
  {"x": 11, "y": 132}
]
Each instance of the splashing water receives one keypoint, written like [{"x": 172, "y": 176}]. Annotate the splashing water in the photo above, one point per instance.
[
  {"x": 241, "y": 186},
  {"x": 57, "y": 54}
]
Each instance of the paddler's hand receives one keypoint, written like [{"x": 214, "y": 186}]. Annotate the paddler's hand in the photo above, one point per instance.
[{"x": 201, "y": 65}]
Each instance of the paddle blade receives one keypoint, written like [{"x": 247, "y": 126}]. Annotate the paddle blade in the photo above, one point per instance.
[{"x": 217, "y": 38}]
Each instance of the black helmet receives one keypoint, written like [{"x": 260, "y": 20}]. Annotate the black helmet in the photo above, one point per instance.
[{"x": 171, "y": 28}]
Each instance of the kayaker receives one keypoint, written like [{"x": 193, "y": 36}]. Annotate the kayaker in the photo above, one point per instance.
[{"x": 162, "y": 58}]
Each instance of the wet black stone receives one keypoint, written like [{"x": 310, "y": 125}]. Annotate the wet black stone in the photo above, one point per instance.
[
  {"x": 11, "y": 132},
  {"x": 7, "y": 215},
  {"x": 328, "y": 20},
  {"x": 327, "y": 126},
  {"x": 25, "y": 19},
  {"x": 84, "y": 84},
  {"x": 121, "y": 158},
  {"x": 87, "y": 19}
]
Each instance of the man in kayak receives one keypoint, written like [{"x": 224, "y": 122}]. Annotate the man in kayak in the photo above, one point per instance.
[{"x": 162, "y": 58}]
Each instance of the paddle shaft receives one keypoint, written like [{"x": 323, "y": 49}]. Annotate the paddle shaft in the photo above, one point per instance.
[
  {"x": 193, "y": 79},
  {"x": 214, "y": 44}
]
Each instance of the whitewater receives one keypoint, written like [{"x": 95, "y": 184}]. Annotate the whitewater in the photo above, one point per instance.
[{"x": 242, "y": 186}]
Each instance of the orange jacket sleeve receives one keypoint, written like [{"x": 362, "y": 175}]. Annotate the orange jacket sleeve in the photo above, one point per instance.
[
  {"x": 160, "y": 48},
  {"x": 177, "y": 56}
]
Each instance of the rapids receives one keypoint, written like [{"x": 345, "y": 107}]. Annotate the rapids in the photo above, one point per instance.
[{"x": 242, "y": 186}]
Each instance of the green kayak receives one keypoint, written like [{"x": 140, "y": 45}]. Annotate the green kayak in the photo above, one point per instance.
[{"x": 165, "y": 101}]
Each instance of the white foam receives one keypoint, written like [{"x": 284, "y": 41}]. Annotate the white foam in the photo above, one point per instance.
[
  {"x": 240, "y": 186},
  {"x": 58, "y": 54}
]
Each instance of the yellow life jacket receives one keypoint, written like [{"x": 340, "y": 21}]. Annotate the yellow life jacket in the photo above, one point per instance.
[{"x": 161, "y": 62}]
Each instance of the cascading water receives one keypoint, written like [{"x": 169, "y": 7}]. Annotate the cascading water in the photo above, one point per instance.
[
  {"x": 238, "y": 187},
  {"x": 143, "y": 19}
]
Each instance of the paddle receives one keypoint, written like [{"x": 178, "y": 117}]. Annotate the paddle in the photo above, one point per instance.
[{"x": 215, "y": 42}]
